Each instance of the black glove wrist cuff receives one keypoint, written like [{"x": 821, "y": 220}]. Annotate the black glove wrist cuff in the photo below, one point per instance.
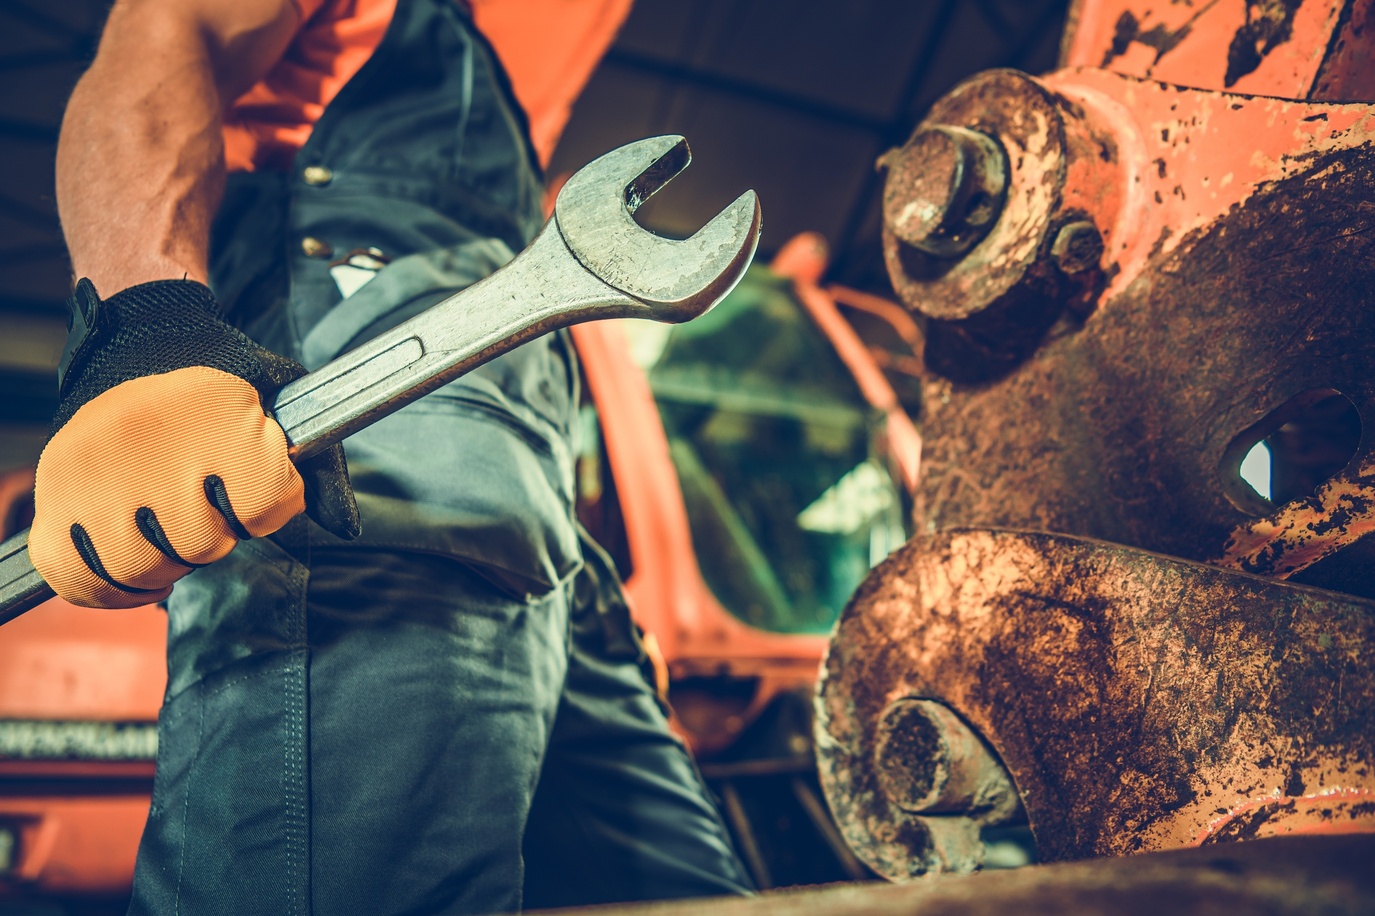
[
  {"x": 150, "y": 329},
  {"x": 91, "y": 321}
]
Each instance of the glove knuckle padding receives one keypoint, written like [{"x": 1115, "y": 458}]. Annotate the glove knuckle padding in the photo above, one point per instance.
[
  {"x": 175, "y": 429},
  {"x": 163, "y": 456},
  {"x": 169, "y": 325}
]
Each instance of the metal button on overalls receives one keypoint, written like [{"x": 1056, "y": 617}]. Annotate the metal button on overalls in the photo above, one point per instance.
[
  {"x": 312, "y": 247},
  {"x": 316, "y": 175}
]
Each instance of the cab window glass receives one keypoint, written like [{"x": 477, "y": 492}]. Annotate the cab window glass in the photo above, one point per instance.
[{"x": 788, "y": 495}]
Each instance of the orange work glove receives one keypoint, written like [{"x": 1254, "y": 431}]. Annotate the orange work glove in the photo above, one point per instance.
[{"x": 162, "y": 457}]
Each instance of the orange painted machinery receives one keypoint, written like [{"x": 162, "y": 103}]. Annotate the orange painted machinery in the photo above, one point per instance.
[{"x": 1138, "y": 612}]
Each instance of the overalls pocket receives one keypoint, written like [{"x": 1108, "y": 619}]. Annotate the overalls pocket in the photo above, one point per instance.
[{"x": 480, "y": 469}]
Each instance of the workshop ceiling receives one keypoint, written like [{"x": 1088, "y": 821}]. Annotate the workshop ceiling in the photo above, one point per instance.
[{"x": 794, "y": 98}]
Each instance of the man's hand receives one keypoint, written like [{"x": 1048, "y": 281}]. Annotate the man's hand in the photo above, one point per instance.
[
  {"x": 163, "y": 458},
  {"x": 211, "y": 471}
]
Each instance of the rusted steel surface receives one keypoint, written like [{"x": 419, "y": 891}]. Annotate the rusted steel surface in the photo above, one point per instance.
[
  {"x": 929, "y": 762},
  {"x": 1238, "y": 255},
  {"x": 1174, "y": 276},
  {"x": 1139, "y": 702},
  {"x": 1307, "y": 531},
  {"x": 1275, "y": 877},
  {"x": 993, "y": 305},
  {"x": 1300, "y": 49},
  {"x": 953, "y": 190},
  {"x": 1346, "y": 71}
]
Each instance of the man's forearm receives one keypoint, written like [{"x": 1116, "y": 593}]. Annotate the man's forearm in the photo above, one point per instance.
[{"x": 140, "y": 160}]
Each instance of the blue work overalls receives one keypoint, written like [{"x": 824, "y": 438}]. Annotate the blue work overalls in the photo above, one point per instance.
[{"x": 447, "y": 715}]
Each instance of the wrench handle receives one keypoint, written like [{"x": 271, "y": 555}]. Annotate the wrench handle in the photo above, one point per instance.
[
  {"x": 21, "y": 587},
  {"x": 542, "y": 290}
]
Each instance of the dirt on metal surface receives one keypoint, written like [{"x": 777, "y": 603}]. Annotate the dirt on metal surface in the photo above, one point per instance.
[
  {"x": 1275, "y": 877},
  {"x": 1234, "y": 284},
  {"x": 993, "y": 305},
  {"x": 929, "y": 761},
  {"x": 1177, "y": 275},
  {"x": 1139, "y": 702}
]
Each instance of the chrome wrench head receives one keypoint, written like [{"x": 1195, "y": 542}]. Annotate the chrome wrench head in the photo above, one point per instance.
[{"x": 679, "y": 280}]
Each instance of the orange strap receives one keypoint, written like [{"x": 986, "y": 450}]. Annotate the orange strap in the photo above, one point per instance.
[{"x": 145, "y": 449}]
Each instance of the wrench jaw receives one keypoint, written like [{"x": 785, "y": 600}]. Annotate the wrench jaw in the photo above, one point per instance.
[
  {"x": 675, "y": 280},
  {"x": 734, "y": 233},
  {"x": 667, "y": 156}
]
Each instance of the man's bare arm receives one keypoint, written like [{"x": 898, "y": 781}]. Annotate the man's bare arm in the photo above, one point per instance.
[{"x": 140, "y": 160}]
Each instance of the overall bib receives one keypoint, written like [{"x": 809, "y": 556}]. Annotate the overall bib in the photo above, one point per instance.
[{"x": 447, "y": 715}]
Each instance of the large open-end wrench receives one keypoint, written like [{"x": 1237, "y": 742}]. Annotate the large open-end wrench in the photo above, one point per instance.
[{"x": 591, "y": 260}]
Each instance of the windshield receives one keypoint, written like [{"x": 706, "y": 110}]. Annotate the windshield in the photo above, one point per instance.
[{"x": 789, "y": 499}]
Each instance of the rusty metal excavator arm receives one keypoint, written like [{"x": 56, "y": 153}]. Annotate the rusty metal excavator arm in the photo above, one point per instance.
[{"x": 1130, "y": 273}]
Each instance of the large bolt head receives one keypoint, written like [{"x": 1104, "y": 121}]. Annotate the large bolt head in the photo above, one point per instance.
[{"x": 945, "y": 189}]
